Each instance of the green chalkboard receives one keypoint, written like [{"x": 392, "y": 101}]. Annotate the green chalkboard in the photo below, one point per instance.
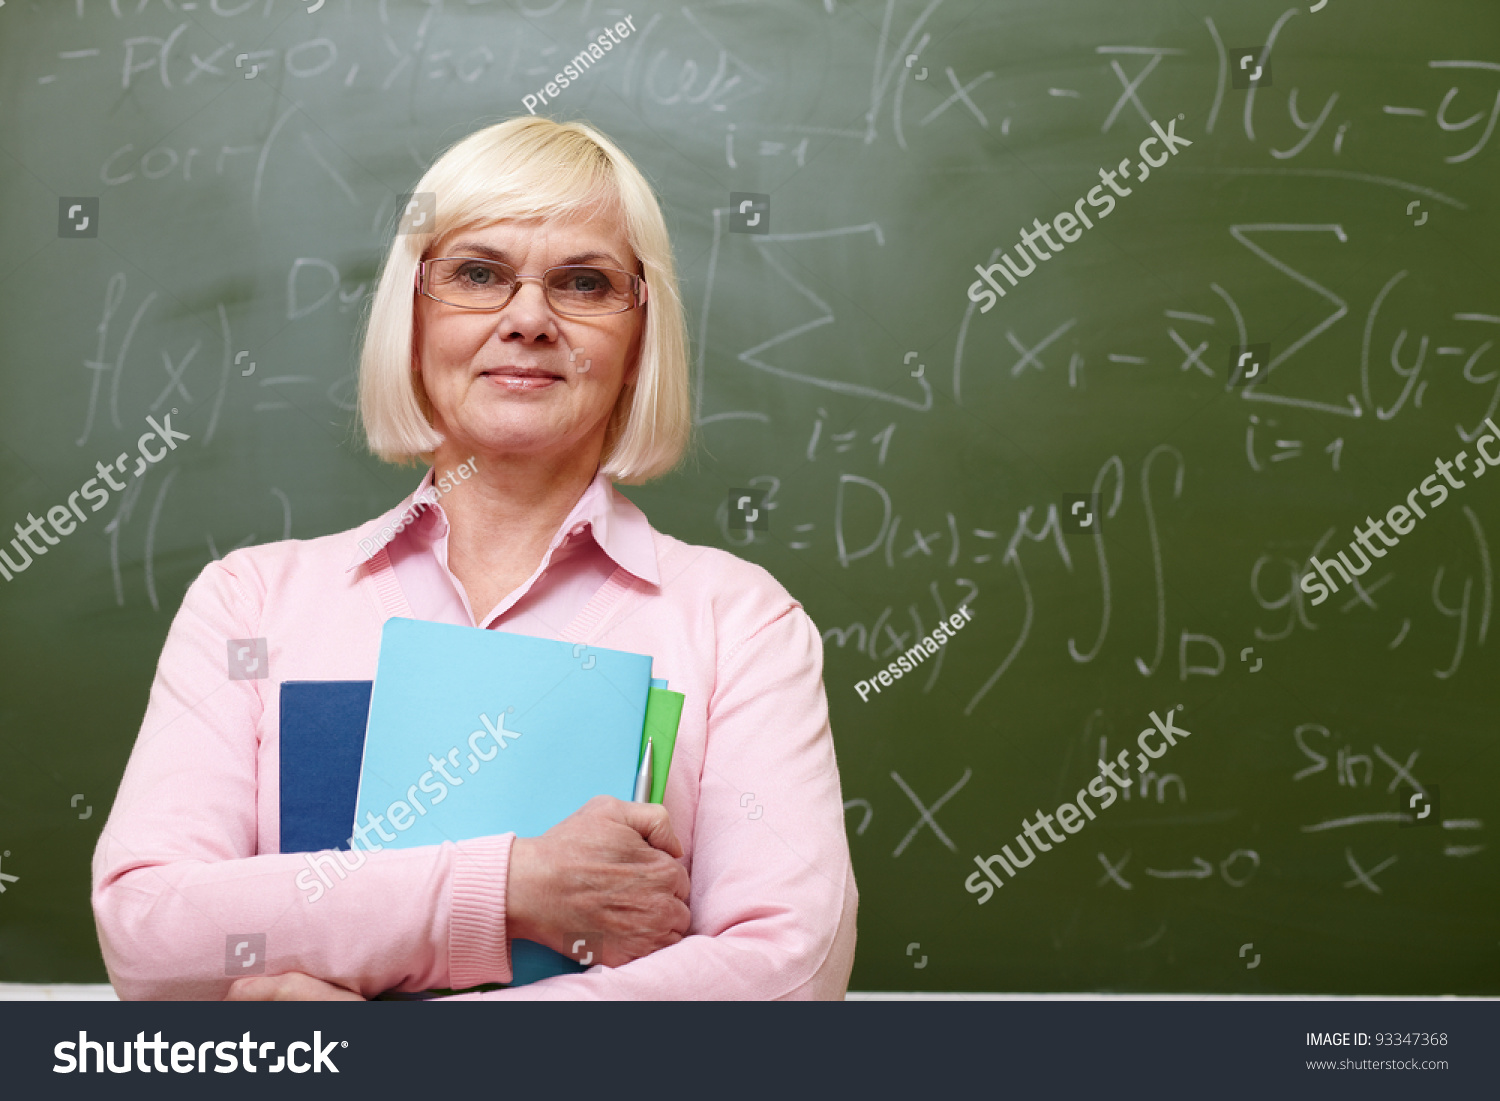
[{"x": 1273, "y": 335}]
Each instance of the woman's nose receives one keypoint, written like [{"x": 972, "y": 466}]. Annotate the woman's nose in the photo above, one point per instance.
[{"x": 528, "y": 313}]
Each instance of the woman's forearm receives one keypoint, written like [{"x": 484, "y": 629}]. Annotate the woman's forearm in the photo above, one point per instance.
[{"x": 184, "y": 872}]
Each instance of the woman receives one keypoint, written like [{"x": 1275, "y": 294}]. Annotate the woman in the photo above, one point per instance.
[{"x": 536, "y": 340}]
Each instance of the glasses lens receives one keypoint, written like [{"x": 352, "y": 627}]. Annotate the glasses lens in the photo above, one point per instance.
[
  {"x": 584, "y": 290},
  {"x": 465, "y": 282}
]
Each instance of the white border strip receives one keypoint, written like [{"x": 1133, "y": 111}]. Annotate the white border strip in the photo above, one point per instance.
[
  {"x": 905, "y": 996},
  {"x": 57, "y": 992},
  {"x": 103, "y": 992}
]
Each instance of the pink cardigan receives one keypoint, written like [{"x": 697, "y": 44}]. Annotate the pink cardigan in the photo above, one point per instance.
[{"x": 189, "y": 862}]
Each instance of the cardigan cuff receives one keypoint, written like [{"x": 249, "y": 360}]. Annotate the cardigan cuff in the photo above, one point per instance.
[{"x": 478, "y": 947}]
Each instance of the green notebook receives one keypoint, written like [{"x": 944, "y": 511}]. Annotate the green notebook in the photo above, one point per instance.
[{"x": 663, "y": 713}]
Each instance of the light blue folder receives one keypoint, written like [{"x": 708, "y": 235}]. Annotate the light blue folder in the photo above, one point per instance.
[{"x": 528, "y": 730}]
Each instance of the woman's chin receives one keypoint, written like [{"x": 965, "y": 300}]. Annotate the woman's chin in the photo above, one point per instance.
[{"x": 517, "y": 439}]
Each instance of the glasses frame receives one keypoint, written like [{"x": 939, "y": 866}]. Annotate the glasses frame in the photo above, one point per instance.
[{"x": 638, "y": 286}]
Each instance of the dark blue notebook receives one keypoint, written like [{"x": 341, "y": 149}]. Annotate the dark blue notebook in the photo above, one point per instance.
[
  {"x": 322, "y": 745},
  {"x": 322, "y": 748}
]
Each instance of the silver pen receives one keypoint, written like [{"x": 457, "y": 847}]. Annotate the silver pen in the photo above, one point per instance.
[{"x": 643, "y": 778}]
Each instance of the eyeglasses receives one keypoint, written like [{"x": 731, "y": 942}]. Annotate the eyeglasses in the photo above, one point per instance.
[{"x": 573, "y": 290}]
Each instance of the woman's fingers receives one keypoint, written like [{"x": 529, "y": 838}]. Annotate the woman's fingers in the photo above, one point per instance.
[
  {"x": 612, "y": 867},
  {"x": 294, "y": 986},
  {"x": 650, "y": 820}
]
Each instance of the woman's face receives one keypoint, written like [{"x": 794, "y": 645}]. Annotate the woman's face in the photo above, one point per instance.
[{"x": 525, "y": 380}]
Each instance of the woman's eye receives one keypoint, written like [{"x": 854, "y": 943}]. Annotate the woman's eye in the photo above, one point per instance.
[{"x": 476, "y": 274}]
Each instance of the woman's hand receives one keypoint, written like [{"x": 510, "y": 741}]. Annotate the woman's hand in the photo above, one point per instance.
[
  {"x": 608, "y": 869},
  {"x": 294, "y": 986}
]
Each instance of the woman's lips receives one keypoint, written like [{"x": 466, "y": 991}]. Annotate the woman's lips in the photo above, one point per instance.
[{"x": 521, "y": 380}]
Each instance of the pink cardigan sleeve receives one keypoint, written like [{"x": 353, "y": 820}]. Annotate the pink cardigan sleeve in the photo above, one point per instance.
[
  {"x": 178, "y": 880},
  {"x": 773, "y": 895}
]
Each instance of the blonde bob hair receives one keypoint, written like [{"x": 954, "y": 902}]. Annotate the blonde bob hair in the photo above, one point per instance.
[{"x": 527, "y": 169}]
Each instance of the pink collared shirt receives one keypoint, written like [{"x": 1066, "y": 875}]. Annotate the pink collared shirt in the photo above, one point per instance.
[{"x": 189, "y": 860}]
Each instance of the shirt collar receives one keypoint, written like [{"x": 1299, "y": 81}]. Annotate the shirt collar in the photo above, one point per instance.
[{"x": 619, "y": 528}]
